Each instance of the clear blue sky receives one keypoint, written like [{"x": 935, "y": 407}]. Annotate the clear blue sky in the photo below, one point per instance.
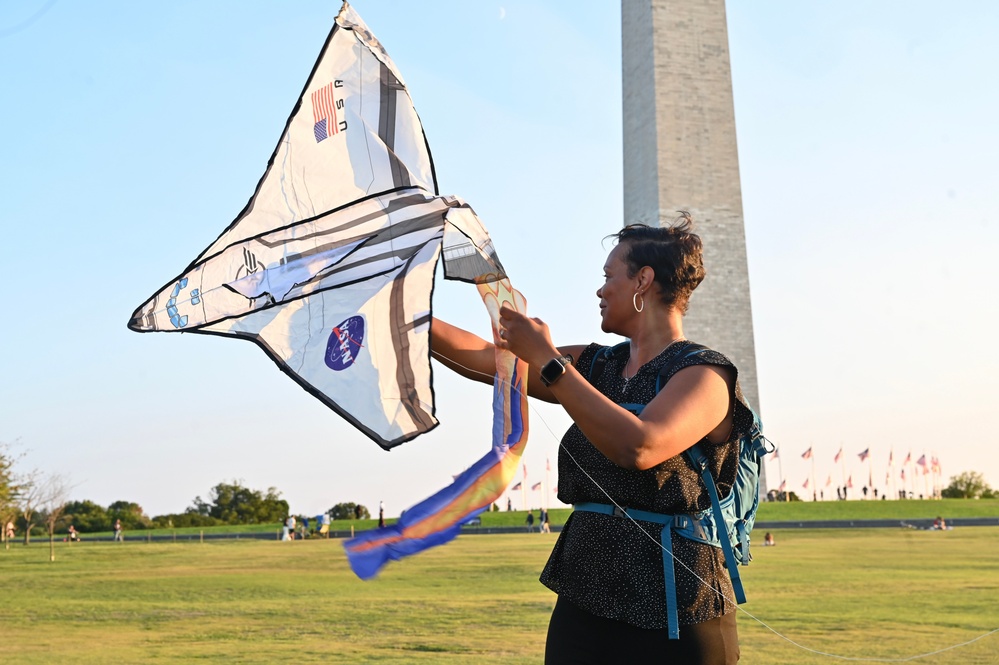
[{"x": 134, "y": 132}]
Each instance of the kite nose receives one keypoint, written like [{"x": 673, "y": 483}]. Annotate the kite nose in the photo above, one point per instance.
[{"x": 142, "y": 319}]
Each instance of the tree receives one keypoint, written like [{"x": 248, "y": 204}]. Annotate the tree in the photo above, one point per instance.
[
  {"x": 349, "y": 511},
  {"x": 9, "y": 490},
  {"x": 53, "y": 496},
  {"x": 232, "y": 503},
  {"x": 30, "y": 498},
  {"x": 131, "y": 515},
  {"x": 967, "y": 485},
  {"x": 191, "y": 517},
  {"x": 87, "y": 516}
]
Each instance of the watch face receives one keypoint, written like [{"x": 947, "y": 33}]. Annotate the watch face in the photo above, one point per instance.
[{"x": 552, "y": 370}]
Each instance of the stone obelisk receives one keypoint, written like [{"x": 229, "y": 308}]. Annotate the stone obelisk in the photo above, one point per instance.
[{"x": 680, "y": 154}]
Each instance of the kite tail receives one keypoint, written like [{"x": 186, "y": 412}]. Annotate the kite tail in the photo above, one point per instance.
[{"x": 438, "y": 519}]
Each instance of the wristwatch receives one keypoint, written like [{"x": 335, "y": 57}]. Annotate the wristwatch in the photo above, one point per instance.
[{"x": 554, "y": 369}]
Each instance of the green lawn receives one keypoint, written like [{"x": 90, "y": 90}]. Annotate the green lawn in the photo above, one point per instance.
[
  {"x": 793, "y": 511},
  {"x": 872, "y": 593}
]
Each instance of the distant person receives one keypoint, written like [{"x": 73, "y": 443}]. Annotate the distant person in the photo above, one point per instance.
[
  {"x": 768, "y": 540},
  {"x": 357, "y": 511},
  {"x": 939, "y": 524},
  {"x": 119, "y": 536},
  {"x": 546, "y": 527},
  {"x": 509, "y": 504},
  {"x": 74, "y": 536},
  {"x": 9, "y": 531},
  {"x": 530, "y": 520},
  {"x": 381, "y": 514}
]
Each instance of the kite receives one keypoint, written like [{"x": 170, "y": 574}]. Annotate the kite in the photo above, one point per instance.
[{"x": 329, "y": 268}]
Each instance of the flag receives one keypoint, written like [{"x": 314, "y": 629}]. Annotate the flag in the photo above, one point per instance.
[
  {"x": 849, "y": 481},
  {"x": 535, "y": 487},
  {"x": 864, "y": 455},
  {"x": 807, "y": 454},
  {"x": 922, "y": 461},
  {"x": 903, "y": 473},
  {"x": 548, "y": 464},
  {"x": 908, "y": 458},
  {"x": 525, "y": 471},
  {"x": 516, "y": 487},
  {"x": 555, "y": 489},
  {"x": 776, "y": 453},
  {"x": 829, "y": 481},
  {"x": 891, "y": 457},
  {"x": 805, "y": 484},
  {"x": 324, "y": 108},
  {"x": 838, "y": 455},
  {"x": 783, "y": 485}
]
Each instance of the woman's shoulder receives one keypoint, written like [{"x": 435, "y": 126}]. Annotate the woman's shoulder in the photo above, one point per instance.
[
  {"x": 690, "y": 354},
  {"x": 592, "y": 355}
]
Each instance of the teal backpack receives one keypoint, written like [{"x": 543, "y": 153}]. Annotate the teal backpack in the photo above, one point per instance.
[{"x": 729, "y": 521}]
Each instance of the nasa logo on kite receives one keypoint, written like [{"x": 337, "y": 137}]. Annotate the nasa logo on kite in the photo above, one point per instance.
[
  {"x": 352, "y": 230},
  {"x": 345, "y": 343}
]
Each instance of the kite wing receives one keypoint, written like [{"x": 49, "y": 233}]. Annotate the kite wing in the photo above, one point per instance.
[{"x": 330, "y": 266}]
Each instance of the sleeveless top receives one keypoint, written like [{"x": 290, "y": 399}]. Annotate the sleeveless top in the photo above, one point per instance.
[{"x": 606, "y": 565}]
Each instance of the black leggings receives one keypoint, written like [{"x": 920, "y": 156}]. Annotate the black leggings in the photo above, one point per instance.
[{"x": 576, "y": 637}]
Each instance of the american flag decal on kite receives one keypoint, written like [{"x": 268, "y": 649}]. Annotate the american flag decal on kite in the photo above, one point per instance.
[{"x": 324, "y": 110}]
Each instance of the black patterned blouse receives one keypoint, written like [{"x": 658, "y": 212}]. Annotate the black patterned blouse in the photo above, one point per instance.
[{"x": 605, "y": 564}]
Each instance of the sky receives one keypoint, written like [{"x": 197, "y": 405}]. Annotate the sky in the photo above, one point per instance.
[{"x": 134, "y": 133}]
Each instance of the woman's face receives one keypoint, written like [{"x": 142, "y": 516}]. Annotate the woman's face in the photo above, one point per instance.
[{"x": 616, "y": 305}]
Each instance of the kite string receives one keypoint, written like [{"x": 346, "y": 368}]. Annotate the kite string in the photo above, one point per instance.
[{"x": 726, "y": 598}]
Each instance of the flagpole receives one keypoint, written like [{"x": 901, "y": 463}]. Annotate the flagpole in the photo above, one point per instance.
[
  {"x": 891, "y": 473},
  {"x": 815, "y": 489},
  {"x": 842, "y": 463},
  {"x": 926, "y": 488},
  {"x": 780, "y": 472},
  {"x": 870, "y": 474}
]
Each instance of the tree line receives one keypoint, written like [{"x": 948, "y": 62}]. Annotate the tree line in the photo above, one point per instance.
[{"x": 34, "y": 504}]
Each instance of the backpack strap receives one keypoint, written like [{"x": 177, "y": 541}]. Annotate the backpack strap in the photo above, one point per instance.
[
  {"x": 600, "y": 359},
  {"x": 700, "y": 461},
  {"x": 665, "y": 539}
]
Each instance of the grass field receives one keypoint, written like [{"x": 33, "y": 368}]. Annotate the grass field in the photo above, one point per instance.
[
  {"x": 791, "y": 512},
  {"x": 868, "y": 593}
]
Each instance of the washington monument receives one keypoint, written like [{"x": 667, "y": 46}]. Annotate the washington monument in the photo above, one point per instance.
[{"x": 680, "y": 154}]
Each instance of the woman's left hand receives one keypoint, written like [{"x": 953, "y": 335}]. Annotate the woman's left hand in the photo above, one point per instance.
[{"x": 527, "y": 338}]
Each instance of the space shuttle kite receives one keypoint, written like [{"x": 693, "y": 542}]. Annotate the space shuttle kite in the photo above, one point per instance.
[{"x": 329, "y": 269}]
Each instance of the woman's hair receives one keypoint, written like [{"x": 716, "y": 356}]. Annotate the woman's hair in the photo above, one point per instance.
[{"x": 673, "y": 252}]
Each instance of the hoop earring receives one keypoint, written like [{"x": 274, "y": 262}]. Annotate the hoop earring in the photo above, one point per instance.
[{"x": 634, "y": 301}]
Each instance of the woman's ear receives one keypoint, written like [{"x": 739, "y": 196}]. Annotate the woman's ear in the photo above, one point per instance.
[{"x": 646, "y": 278}]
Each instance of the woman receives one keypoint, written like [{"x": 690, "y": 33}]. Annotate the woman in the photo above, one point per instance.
[{"x": 608, "y": 572}]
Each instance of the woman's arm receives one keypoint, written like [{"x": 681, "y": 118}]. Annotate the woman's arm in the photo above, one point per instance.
[
  {"x": 474, "y": 358},
  {"x": 696, "y": 403},
  {"x": 466, "y": 353}
]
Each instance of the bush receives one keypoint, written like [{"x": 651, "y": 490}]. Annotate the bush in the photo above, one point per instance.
[
  {"x": 349, "y": 511},
  {"x": 968, "y": 485}
]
